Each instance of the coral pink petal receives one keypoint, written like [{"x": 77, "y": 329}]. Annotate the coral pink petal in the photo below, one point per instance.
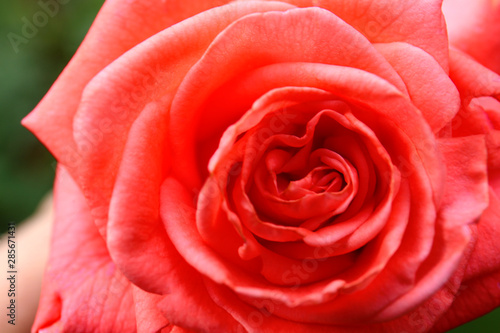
[
  {"x": 190, "y": 307},
  {"x": 474, "y": 28},
  {"x": 449, "y": 246},
  {"x": 477, "y": 297},
  {"x": 486, "y": 255},
  {"x": 493, "y": 144},
  {"x": 198, "y": 311},
  {"x": 428, "y": 84},
  {"x": 466, "y": 188},
  {"x": 135, "y": 202},
  {"x": 419, "y": 23},
  {"x": 81, "y": 279},
  {"x": 480, "y": 289},
  {"x": 149, "y": 316},
  {"x": 262, "y": 318},
  {"x": 471, "y": 78}
]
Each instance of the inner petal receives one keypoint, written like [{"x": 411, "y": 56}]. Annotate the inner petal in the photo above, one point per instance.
[
  {"x": 317, "y": 180},
  {"x": 282, "y": 187}
]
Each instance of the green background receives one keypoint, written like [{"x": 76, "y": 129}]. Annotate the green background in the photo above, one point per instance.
[{"x": 26, "y": 168}]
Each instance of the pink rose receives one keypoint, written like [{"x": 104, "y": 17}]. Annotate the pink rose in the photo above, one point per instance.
[{"x": 269, "y": 166}]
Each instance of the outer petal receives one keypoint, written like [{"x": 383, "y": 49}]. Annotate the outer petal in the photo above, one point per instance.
[
  {"x": 81, "y": 281},
  {"x": 466, "y": 188},
  {"x": 262, "y": 319},
  {"x": 188, "y": 304},
  {"x": 148, "y": 314},
  {"x": 419, "y": 23},
  {"x": 135, "y": 202},
  {"x": 471, "y": 78},
  {"x": 428, "y": 84},
  {"x": 474, "y": 27},
  {"x": 480, "y": 290}
]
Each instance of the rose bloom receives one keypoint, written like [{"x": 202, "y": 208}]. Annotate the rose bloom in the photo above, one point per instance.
[{"x": 276, "y": 166}]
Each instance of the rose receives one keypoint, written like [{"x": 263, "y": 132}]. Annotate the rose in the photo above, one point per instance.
[{"x": 262, "y": 167}]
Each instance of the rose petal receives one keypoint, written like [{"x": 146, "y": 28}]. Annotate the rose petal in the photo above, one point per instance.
[
  {"x": 486, "y": 255},
  {"x": 466, "y": 187},
  {"x": 478, "y": 297},
  {"x": 149, "y": 317},
  {"x": 480, "y": 92},
  {"x": 438, "y": 267},
  {"x": 471, "y": 78},
  {"x": 419, "y": 23},
  {"x": 474, "y": 28},
  {"x": 261, "y": 318},
  {"x": 198, "y": 311},
  {"x": 428, "y": 84},
  {"x": 81, "y": 279},
  {"x": 491, "y": 107},
  {"x": 135, "y": 202},
  {"x": 493, "y": 145},
  {"x": 480, "y": 290}
]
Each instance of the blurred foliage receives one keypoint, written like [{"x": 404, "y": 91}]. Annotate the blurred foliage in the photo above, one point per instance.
[
  {"x": 489, "y": 323},
  {"x": 26, "y": 167},
  {"x": 27, "y": 70}
]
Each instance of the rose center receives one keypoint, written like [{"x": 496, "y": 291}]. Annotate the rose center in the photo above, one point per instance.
[{"x": 319, "y": 180}]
